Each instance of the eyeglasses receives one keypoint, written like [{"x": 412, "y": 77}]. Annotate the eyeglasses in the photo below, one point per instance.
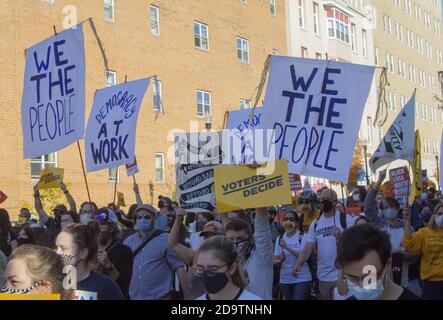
[
  {"x": 304, "y": 201},
  {"x": 211, "y": 271},
  {"x": 289, "y": 219},
  {"x": 146, "y": 216}
]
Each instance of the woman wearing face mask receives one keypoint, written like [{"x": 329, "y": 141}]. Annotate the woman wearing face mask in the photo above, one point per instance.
[
  {"x": 87, "y": 210},
  {"x": 8, "y": 238},
  {"x": 34, "y": 270},
  {"x": 25, "y": 236},
  {"x": 363, "y": 254},
  {"x": 195, "y": 240},
  {"x": 287, "y": 250},
  {"x": 357, "y": 199},
  {"x": 425, "y": 217},
  {"x": 216, "y": 267},
  {"x": 78, "y": 245},
  {"x": 428, "y": 244}
]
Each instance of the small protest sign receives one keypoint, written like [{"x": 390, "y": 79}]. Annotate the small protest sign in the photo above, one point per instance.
[
  {"x": 132, "y": 169},
  {"x": 295, "y": 182},
  {"x": 84, "y": 295},
  {"x": 3, "y": 197},
  {"x": 121, "y": 199},
  {"x": 400, "y": 180},
  {"x": 53, "y": 103},
  {"x": 50, "y": 178},
  {"x": 242, "y": 187}
]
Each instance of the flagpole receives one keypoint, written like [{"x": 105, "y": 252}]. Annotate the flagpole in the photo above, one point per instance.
[
  {"x": 84, "y": 172},
  {"x": 115, "y": 185}
]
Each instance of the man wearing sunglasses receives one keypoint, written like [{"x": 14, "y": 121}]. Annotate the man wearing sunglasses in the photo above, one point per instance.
[{"x": 155, "y": 264}]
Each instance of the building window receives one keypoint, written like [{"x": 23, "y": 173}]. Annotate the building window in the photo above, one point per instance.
[
  {"x": 109, "y": 10},
  {"x": 403, "y": 101},
  {"x": 201, "y": 36},
  {"x": 369, "y": 131},
  {"x": 159, "y": 168},
  {"x": 303, "y": 52},
  {"x": 390, "y": 62},
  {"x": 376, "y": 58},
  {"x": 353, "y": 38},
  {"x": 39, "y": 163},
  {"x": 114, "y": 175},
  {"x": 243, "y": 50},
  {"x": 111, "y": 78},
  {"x": 245, "y": 104},
  {"x": 315, "y": 13},
  {"x": 301, "y": 13},
  {"x": 338, "y": 25},
  {"x": 157, "y": 97},
  {"x": 203, "y": 103},
  {"x": 274, "y": 52},
  {"x": 318, "y": 55},
  {"x": 365, "y": 43},
  {"x": 155, "y": 21},
  {"x": 273, "y": 7}
]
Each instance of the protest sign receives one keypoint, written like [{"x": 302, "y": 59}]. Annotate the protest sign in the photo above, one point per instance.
[
  {"x": 417, "y": 178},
  {"x": 398, "y": 143},
  {"x": 400, "y": 180},
  {"x": 53, "y": 103},
  {"x": 132, "y": 169},
  {"x": 242, "y": 187},
  {"x": 84, "y": 295},
  {"x": 3, "y": 197},
  {"x": 50, "y": 178},
  {"x": 315, "y": 113},
  {"x": 295, "y": 182},
  {"x": 110, "y": 133},
  {"x": 121, "y": 199}
]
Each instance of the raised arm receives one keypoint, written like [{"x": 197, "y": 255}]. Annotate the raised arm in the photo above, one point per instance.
[
  {"x": 42, "y": 215},
  {"x": 138, "y": 198},
  {"x": 183, "y": 253},
  {"x": 262, "y": 235},
  {"x": 412, "y": 241},
  {"x": 71, "y": 201},
  {"x": 370, "y": 208}
]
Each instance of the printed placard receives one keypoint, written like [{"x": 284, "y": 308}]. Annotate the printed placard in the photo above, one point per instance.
[
  {"x": 50, "y": 178},
  {"x": 400, "y": 180}
]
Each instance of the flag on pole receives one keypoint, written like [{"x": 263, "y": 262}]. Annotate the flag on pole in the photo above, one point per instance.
[
  {"x": 417, "y": 178},
  {"x": 398, "y": 143}
]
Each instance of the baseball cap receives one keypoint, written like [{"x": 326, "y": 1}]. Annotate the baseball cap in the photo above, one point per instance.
[
  {"x": 146, "y": 207},
  {"x": 212, "y": 228},
  {"x": 61, "y": 207},
  {"x": 105, "y": 214}
]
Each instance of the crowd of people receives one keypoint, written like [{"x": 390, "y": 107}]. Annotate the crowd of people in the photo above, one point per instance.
[{"x": 314, "y": 250}]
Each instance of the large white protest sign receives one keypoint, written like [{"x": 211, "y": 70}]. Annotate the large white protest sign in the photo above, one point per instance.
[
  {"x": 315, "y": 108},
  {"x": 110, "y": 134},
  {"x": 53, "y": 104},
  {"x": 399, "y": 141},
  {"x": 195, "y": 180}
]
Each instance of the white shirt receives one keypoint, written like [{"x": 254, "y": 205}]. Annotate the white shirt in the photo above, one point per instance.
[
  {"x": 195, "y": 240},
  {"x": 243, "y": 295},
  {"x": 296, "y": 242},
  {"x": 326, "y": 242}
]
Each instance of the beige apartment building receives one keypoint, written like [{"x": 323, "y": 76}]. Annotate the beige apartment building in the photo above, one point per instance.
[
  {"x": 409, "y": 42},
  {"x": 208, "y": 55}
]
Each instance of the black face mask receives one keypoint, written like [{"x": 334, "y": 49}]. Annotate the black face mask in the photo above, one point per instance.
[
  {"x": 160, "y": 204},
  {"x": 104, "y": 237},
  {"x": 214, "y": 283},
  {"x": 327, "y": 205},
  {"x": 200, "y": 225}
]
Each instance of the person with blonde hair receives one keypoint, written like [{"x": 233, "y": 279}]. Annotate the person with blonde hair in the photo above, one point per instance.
[
  {"x": 34, "y": 270},
  {"x": 428, "y": 244}
]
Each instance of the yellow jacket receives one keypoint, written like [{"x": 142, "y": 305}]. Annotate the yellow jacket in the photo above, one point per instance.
[{"x": 428, "y": 244}]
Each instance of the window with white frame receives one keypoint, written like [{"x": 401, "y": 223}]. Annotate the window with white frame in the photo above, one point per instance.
[
  {"x": 303, "y": 52},
  {"x": 318, "y": 56},
  {"x": 274, "y": 52},
  {"x": 114, "y": 175},
  {"x": 426, "y": 149},
  {"x": 157, "y": 96},
  {"x": 40, "y": 163},
  {"x": 245, "y": 104},
  {"x": 110, "y": 78},
  {"x": 338, "y": 25},
  {"x": 376, "y": 57},
  {"x": 369, "y": 130},
  {"x": 390, "y": 62},
  {"x": 353, "y": 38},
  {"x": 243, "y": 50},
  {"x": 315, "y": 15},
  {"x": 403, "y": 101},
  {"x": 301, "y": 13},
  {"x": 109, "y": 10},
  {"x": 155, "y": 21},
  {"x": 364, "y": 43},
  {"x": 273, "y": 7},
  {"x": 201, "y": 36},
  {"x": 203, "y": 103},
  {"x": 159, "y": 168},
  {"x": 435, "y": 148}
]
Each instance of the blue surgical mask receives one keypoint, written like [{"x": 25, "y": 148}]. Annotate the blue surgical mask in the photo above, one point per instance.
[
  {"x": 144, "y": 225},
  {"x": 389, "y": 213},
  {"x": 161, "y": 223},
  {"x": 366, "y": 294},
  {"x": 424, "y": 196}
]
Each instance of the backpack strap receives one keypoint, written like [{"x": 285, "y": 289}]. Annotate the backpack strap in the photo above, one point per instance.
[{"x": 147, "y": 240}]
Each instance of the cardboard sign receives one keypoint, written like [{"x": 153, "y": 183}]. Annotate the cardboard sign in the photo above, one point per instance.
[
  {"x": 84, "y": 295},
  {"x": 50, "y": 178},
  {"x": 400, "y": 180},
  {"x": 295, "y": 182},
  {"x": 30, "y": 297},
  {"x": 3, "y": 197},
  {"x": 110, "y": 134},
  {"x": 53, "y": 104},
  {"x": 242, "y": 187},
  {"x": 315, "y": 113},
  {"x": 121, "y": 199},
  {"x": 132, "y": 169}
]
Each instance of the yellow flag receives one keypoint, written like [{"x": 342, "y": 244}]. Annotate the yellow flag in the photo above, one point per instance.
[
  {"x": 50, "y": 178},
  {"x": 121, "y": 199},
  {"x": 242, "y": 187},
  {"x": 417, "y": 181}
]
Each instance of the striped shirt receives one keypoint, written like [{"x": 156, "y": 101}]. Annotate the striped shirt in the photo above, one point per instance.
[{"x": 153, "y": 268}]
